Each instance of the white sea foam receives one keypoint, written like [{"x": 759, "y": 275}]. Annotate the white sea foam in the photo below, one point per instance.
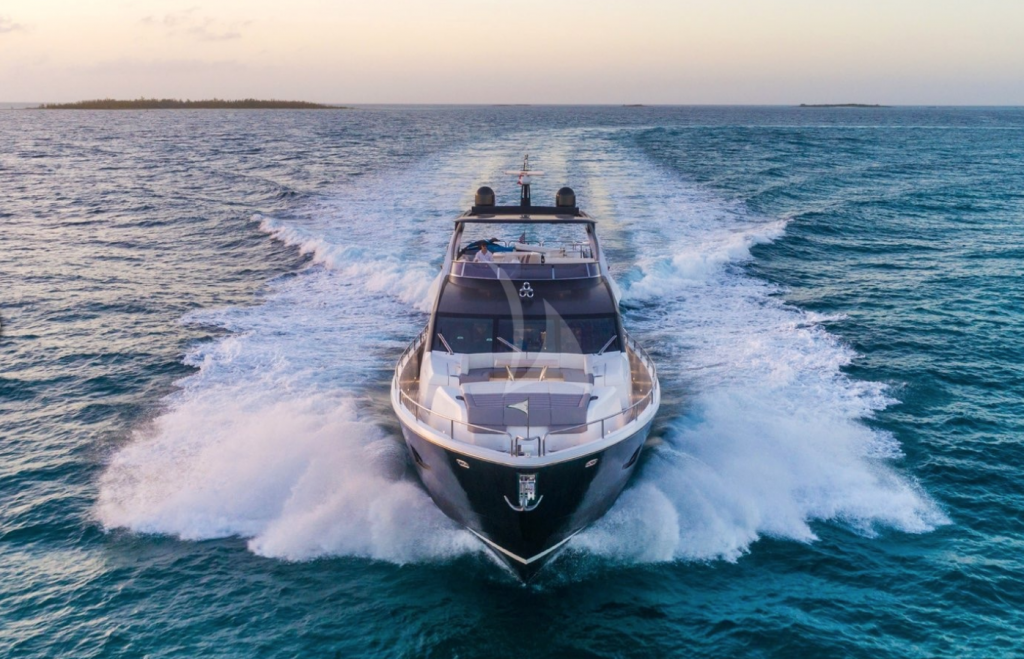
[
  {"x": 412, "y": 283},
  {"x": 271, "y": 439},
  {"x": 275, "y": 438},
  {"x": 772, "y": 436},
  {"x": 297, "y": 472}
]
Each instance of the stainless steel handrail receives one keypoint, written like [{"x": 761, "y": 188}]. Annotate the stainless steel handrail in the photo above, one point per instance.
[
  {"x": 567, "y": 247},
  {"x": 427, "y": 410},
  {"x": 644, "y": 357},
  {"x": 627, "y": 410},
  {"x": 655, "y": 385},
  {"x": 538, "y": 270},
  {"x": 403, "y": 359}
]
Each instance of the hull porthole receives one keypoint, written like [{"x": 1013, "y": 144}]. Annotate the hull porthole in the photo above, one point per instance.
[
  {"x": 418, "y": 459},
  {"x": 633, "y": 458}
]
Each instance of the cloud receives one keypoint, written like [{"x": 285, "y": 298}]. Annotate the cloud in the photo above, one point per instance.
[
  {"x": 189, "y": 23},
  {"x": 8, "y": 25}
]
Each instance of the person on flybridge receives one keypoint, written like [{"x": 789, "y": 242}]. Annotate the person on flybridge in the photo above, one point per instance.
[{"x": 483, "y": 256}]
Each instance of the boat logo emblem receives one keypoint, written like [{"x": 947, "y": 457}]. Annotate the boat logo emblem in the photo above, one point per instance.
[
  {"x": 526, "y": 290},
  {"x": 528, "y": 499}
]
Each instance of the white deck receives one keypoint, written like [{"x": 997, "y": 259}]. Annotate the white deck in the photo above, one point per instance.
[{"x": 452, "y": 386}]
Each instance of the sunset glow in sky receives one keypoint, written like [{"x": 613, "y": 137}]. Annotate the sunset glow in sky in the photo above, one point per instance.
[{"x": 517, "y": 51}]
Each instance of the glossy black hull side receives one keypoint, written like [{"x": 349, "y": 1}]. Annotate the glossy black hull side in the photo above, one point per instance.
[{"x": 574, "y": 495}]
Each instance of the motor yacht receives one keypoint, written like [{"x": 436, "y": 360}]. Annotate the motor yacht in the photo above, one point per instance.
[{"x": 524, "y": 403}]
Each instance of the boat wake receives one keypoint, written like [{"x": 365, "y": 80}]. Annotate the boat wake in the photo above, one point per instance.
[
  {"x": 301, "y": 476},
  {"x": 771, "y": 435},
  {"x": 279, "y": 437},
  {"x": 274, "y": 439}
]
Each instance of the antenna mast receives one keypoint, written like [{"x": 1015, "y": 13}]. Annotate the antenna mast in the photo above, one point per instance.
[{"x": 525, "y": 176}]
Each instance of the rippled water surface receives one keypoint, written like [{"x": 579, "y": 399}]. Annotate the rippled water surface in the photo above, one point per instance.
[{"x": 201, "y": 310}]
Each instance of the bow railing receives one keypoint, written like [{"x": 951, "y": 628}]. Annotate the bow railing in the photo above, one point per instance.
[
  {"x": 648, "y": 380},
  {"x": 518, "y": 271}
]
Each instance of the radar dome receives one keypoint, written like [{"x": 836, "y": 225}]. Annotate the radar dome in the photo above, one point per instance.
[
  {"x": 565, "y": 198},
  {"x": 484, "y": 196}
]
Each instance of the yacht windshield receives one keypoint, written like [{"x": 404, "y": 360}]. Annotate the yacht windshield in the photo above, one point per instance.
[{"x": 571, "y": 334}]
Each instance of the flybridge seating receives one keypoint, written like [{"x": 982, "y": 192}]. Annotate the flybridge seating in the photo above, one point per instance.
[
  {"x": 526, "y": 260},
  {"x": 525, "y": 250},
  {"x": 525, "y": 246},
  {"x": 525, "y": 242}
]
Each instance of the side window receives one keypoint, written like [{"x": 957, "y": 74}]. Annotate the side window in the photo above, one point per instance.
[
  {"x": 571, "y": 337},
  {"x": 529, "y": 335},
  {"x": 589, "y": 335},
  {"x": 504, "y": 336},
  {"x": 464, "y": 334}
]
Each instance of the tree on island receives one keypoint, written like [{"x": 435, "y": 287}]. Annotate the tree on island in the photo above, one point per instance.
[
  {"x": 842, "y": 105},
  {"x": 176, "y": 104}
]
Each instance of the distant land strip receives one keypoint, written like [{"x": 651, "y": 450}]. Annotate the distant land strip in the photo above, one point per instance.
[
  {"x": 842, "y": 105},
  {"x": 176, "y": 104}
]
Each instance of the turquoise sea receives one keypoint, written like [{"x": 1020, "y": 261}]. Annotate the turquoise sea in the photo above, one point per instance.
[{"x": 201, "y": 311}]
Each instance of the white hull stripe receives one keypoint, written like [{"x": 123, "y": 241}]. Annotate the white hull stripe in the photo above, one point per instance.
[{"x": 524, "y": 561}]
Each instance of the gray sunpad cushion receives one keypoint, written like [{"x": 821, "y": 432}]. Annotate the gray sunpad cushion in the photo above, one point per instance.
[{"x": 546, "y": 409}]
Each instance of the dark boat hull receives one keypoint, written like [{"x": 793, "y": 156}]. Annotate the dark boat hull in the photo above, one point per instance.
[{"x": 481, "y": 496}]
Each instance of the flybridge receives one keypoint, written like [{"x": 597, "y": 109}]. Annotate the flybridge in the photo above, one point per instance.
[
  {"x": 565, "y": 200},
  {"x": 525, "y": 241}
]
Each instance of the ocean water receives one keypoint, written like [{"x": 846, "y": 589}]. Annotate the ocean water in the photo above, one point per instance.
[{"x": 201, "y": 311}]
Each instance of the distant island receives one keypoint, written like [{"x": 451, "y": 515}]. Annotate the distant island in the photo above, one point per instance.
[
  {"x": 176, "y": 104},
  {"x": 841, "y": 105}
]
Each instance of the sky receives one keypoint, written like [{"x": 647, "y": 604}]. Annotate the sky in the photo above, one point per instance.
[{"x": 901, "y": 52}]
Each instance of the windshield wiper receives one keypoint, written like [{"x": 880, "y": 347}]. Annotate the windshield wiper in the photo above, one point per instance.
[
  {"x": 605, "y": 347},
  {"x": 446, "y": 346},
  {"x": 516, "y": 348}
]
